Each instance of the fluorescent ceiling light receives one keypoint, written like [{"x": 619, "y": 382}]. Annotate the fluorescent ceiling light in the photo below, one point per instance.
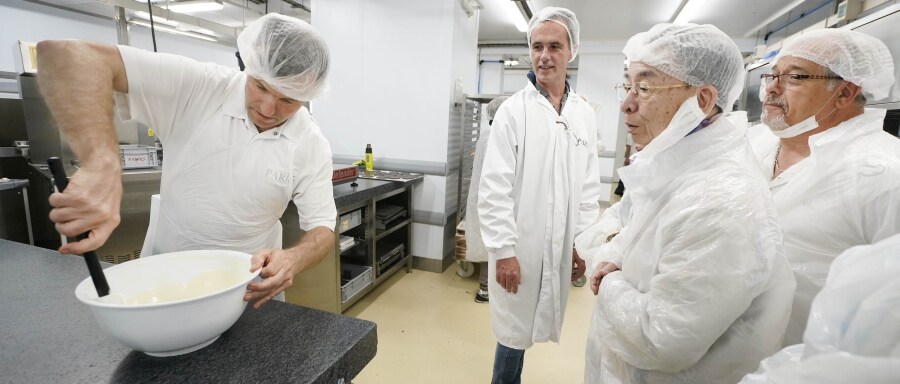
[
  {"x": 194, "y": 5},
  {"x": 172, "y": 30},
  {"x": 156, "y": 19},
  {"x": 514, "y": 15},
  {"x": 689, "y": 11},
  {"x": 774, "y": 17}
]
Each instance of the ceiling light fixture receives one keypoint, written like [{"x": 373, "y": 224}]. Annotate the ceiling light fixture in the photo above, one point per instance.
[
  {"x": 687, "y": 11},
  {"x": 173, "y": 30},
  {"x": 188, "y": 6},
  {"x": 156, "y": 19},
  {"x": 515, "y": 15}
]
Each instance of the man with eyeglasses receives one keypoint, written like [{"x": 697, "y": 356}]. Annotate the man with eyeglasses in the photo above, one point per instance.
[
  {"x": 834, "y": 173},
  {"x": 693, "y": 286},
  {"x": 539, "y": 190}
]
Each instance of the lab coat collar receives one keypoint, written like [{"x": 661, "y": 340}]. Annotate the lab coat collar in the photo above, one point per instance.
[
  {"x": 826, "y": 149},
  {"x": 542, "y": 100},
  {"x": 648, "y": 176},
  {"x": 533, "y": 79},
  {"x": 848, "y": 130},
  {"x": 533, "y": 85}
]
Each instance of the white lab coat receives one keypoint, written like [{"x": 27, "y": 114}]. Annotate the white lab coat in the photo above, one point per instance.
[
  {"x": 539, "y": 189},
  {"x": 475, "y": 250},
  {"x": 846, "y": 193},
  {"x": 595, "y": 235},
  {"x": 854, "y": 328},
  {"x": 704, "y": 289}
]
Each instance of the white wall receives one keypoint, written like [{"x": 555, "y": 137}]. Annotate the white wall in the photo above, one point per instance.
[
  {"x": 490, "y": 75},
  {"x": 465, "y": 47},
  {"x": 598, "y": 74},
  {"x": 392, "y": 82},
  {"x": 390, "y": 78},
  {"x": 20, "y": 20}
]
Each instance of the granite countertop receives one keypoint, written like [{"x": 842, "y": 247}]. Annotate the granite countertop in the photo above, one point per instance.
[{"x": 48, "y": 336}]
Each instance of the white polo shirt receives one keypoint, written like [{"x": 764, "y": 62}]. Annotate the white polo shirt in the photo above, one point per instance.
[{"x": 224, "y": 184}]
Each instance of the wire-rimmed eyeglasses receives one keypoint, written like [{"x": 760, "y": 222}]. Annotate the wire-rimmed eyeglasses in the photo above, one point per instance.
[
  {"x": 793, "y": 79},
  {"x": 642, "y": 90}
]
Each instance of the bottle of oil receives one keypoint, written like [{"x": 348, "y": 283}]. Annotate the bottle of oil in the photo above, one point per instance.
[{"x": 369, "y": 160}]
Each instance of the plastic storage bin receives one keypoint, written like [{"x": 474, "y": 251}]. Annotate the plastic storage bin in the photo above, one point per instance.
[
  {"x": 350, "y": 220},
  {"x": 359, "y": 278}
]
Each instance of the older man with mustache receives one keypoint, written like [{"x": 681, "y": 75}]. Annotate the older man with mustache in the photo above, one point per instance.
[{"x": 834, "y": 173}]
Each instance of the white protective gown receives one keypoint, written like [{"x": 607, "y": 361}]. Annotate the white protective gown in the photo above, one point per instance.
[
  {"x": 475, "y": 250},
  {"x": 539, "y": 189},
  {"x": 704, "y": 289},
  {"x": 854, "y": 330},
  {"x": 846, "y": 193}
]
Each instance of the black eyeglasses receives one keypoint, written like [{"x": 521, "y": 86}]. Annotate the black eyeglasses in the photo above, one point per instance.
[{"x": 793, "y": 79}]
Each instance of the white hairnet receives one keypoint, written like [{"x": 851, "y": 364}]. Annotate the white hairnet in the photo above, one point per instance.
[
  {"x": 494, "y": 105},
  {"x": 858, "y": 58},
  {"x": 286, "y": 53},
  {"x": 562, "y": 17},
  {"x": 695, "y": 54}
]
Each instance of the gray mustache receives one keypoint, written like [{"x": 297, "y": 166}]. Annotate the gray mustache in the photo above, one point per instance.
[{"x": 774, "y": 101}]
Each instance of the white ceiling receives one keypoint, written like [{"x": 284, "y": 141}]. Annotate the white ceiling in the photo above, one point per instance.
[
  {"x": 621, "y": 19},
  {"x": 222, "y": 24},
  {"x": 602, "y": 20}
]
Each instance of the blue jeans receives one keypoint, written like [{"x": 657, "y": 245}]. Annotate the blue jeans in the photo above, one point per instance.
[{"x": 508, "y": 365}]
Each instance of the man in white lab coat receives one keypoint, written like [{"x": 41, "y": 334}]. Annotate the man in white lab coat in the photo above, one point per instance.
[
  {"x": 693, "y": 286},
  {"x": 239, "y": 145},
  {"x": 539, "y": 189},
  {"x": 834, "y": 173}
]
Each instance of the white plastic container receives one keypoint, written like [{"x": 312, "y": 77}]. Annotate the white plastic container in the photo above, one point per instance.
[{"x": 350, "y": 220}]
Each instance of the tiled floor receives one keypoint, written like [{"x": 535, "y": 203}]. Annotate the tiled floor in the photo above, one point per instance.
[{"x": 430, "y": 330}]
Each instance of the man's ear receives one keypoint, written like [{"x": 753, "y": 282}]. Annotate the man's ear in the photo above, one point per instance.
[
  {"x": 847, "y": 95},
  {"x": 706, "y": 97}
]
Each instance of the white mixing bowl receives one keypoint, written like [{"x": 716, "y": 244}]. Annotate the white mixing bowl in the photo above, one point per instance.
[{"x": 173, "y": 303}]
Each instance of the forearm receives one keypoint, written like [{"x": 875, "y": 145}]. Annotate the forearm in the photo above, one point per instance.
[
  {"x": 77, "y": 79},
  {"x": 311, "y": 249}
]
